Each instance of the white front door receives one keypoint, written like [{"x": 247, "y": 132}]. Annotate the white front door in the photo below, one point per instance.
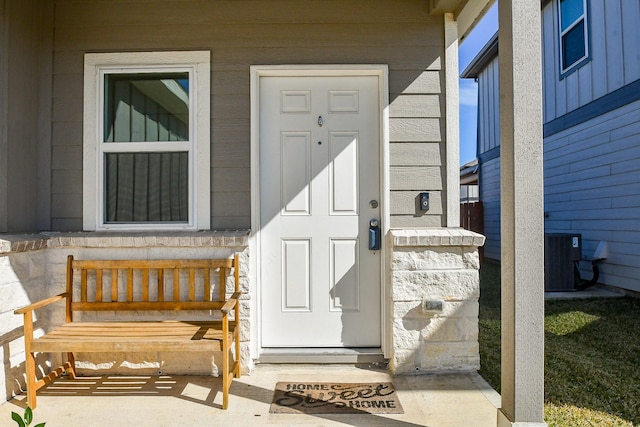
[{"x": 319, "y": 189}]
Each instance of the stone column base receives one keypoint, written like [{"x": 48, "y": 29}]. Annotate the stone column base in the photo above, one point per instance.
[{"x": 504, "y": 421}]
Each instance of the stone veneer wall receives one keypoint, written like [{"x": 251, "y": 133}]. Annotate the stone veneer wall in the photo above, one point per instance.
[
  {"x": 435, "y": 288},
  {"x": 33, "y": 267},
  {"x": 434, "y": 296},
  {"x": 22, "y": 274}
]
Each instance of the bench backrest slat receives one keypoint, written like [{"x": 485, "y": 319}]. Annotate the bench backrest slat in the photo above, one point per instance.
[
  {"x": 129, "y": 285},
  {"x": 190, "y": 282},
  {"x": 145, "y": 285},
  {"x": 222, "y": 288},
  {"x": 99, "y": 285},
  {"x": 146, "y": 305},
  {"x": 152, "y": 263},
  {"x": 83, "y": 286},
  {"x": 176, "y": 284},
  {"x": 160, "y": 285},
  {"x": 207, "y": 285},
  {"x": 114, "y": 284}
]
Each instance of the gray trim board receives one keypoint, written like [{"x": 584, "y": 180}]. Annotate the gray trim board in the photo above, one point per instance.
[
  {"x": 609, "y": 102},
  {"x": 494, "y": 153}
]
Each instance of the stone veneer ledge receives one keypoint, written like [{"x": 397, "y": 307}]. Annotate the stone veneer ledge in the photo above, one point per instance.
[
  {"x": 22, "y": 242},
  {"x": 14, "y": 243},
  {"x": 436, "y": 237}
]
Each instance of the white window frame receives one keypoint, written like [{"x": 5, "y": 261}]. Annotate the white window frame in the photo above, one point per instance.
[
  {"x": 585, "y": 18},
  {"x": 96, "y": 66}
]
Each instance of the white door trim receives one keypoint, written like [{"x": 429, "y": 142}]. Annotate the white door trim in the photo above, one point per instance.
[{"x": 258, "y": 71}]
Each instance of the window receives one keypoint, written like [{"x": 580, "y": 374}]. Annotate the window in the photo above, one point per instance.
[
  {"x": 146, "y": 140},
  {"x": 574, "y": 40}
]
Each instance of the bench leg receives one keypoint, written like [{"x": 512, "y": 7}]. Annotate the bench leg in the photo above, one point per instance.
[
  {"x": 225, "y": 376},
  {"x": 238, "y": 365},
  {"x": 30, "y": 368},
  {"x": 71, "y": 359}
]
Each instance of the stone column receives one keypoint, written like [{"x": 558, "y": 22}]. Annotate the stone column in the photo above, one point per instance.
[
  {"x": 522, "y": 225},
  {"x": 435, "y": 289}
]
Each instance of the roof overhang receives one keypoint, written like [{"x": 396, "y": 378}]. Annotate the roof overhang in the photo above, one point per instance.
[
  {"x": 482, "y": 59},
  {"x": 466, "y": 12}
]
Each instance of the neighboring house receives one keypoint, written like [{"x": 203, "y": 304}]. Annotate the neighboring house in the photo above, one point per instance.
[
  {"x": 471, "y": 209},
  {"x": 277, "y": 129},
  {"x": 469, "y": 182},
  {"x": 591, "y": 81}
]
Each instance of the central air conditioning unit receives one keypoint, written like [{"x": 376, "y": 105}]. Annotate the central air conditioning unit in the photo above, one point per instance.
[{"x": 561, "y": 251}]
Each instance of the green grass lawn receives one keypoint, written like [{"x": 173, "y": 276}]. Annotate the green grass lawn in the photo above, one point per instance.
[{"x": 592, "y": 356}]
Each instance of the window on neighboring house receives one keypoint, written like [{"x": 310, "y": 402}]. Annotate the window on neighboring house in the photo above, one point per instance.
[
  {"x": 146, "y": 141},
  {"x": 574, "y": 40}
]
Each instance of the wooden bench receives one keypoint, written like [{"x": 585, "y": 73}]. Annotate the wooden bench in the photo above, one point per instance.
[{"x": 140, "y": 285}]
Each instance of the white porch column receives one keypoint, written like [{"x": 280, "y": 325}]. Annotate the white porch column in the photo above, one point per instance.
[
  {"x": 452, "y": 120},
  {"x": 521, "y": 214}
]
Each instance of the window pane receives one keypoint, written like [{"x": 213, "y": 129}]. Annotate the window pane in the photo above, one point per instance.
[
  {"x": 146, "y": 107},
  {"x": 146, "y": 187},
  {"x": 570, "y": 10},
  {"x": 573, "y": 46}
]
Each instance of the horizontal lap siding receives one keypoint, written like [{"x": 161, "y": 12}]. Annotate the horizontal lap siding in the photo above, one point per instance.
[
  {"x": 244, "y": 33},
  {"x": 488, "y": 140},
  {"x": 490, "y": 196},
  {"x": 592, "y": 187},
  {"x": 21, "y": 117}
]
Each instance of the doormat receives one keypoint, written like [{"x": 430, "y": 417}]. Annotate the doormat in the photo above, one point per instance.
[{"x": 335, "y": 398}]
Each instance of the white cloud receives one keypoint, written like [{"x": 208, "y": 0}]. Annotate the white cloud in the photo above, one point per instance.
[{"x": 468, "y": 93}]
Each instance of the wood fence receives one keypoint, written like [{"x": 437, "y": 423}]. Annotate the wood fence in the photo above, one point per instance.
[{"x": 472, "y": 217}]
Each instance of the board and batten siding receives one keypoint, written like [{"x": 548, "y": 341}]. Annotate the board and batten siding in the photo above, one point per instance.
[
  {"x": 244, "y": 33},
  {"x": 615, "y": 56},
  {"x": 592, "y": 187},
  {"x": 488, "y": 108},
  {"x": 488, "y": 151}
]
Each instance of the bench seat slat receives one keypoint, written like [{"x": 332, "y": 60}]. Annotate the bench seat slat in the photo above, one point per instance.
[{"x": 133, "y": 336}]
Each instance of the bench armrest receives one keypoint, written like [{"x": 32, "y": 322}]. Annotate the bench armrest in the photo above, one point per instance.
[
  {"x": 231, "y": 302},
  {"x": 40, "y": 304}
]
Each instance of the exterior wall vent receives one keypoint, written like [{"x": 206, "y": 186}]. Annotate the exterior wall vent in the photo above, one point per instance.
[{"x": 560, "y": 253}]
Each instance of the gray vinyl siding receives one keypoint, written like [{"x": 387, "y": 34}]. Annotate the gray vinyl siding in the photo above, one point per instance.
[
  {"x": 488, "y": 143},
  {"x": 244, "y": 33},
  {"x": 592, "y": 187},
  {"x": 24, "y": 182},
  {"x": 615, "y": 56}
]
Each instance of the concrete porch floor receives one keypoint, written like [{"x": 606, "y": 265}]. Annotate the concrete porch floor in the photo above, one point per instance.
[{"x": 436, "y": 400}]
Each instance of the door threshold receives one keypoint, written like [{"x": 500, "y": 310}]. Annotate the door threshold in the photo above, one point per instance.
[{"x": 372, "y": 355}]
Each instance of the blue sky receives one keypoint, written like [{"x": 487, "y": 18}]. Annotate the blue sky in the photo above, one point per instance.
[{"x": 468, "y": 49}]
